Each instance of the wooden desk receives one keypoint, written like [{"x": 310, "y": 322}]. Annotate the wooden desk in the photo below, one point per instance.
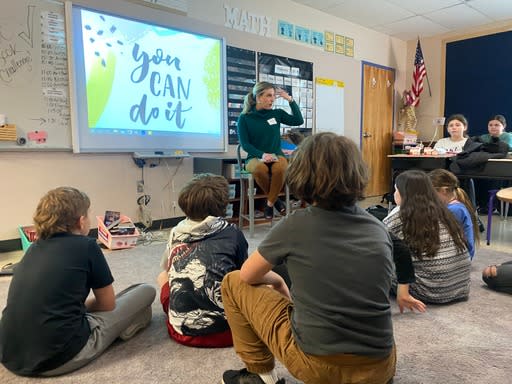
[
  {"x": 500, "y": 169},
  {"x": 423, "y": 162},
  {"x": 494, "y": 168}
]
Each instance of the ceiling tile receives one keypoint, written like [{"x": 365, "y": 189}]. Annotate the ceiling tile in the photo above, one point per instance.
[
  {"x": 405, "y": 19},
  {"x": 458, "y": 17},
  {"x": 374, "y": 12},
  {"x": 411, "y": 28},
  {"x": 419, "y": 7},
  {"x": 496, "y": 9},
  {"x": 321, "y": 5}
]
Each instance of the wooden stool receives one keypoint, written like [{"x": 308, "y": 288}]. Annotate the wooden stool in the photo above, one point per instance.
[{"x": 504, "y": 196}]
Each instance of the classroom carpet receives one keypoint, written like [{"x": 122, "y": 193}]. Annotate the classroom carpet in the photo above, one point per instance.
[{"x": 468, "y": 342}]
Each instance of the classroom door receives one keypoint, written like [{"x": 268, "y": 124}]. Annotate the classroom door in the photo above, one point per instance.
[{"x": 377, "y": 126}]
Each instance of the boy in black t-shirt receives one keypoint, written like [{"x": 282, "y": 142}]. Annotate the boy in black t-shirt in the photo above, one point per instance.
[{"x": 49, "y": 325}]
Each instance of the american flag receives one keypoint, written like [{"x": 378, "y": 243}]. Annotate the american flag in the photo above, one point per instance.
[{"x": 418, "y": 74}]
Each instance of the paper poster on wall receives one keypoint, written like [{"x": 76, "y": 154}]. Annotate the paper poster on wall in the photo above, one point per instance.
[
  {"x": 329, "y": 41},
  {"x": 349, "y": 47},
  {"x": 302, "y": 34},
  {"x": 340, "y": 44},
  {"x": 296, "y": 77},
  {"x": 330, "y": 113},
  {"x": 317, "y": 39},
  {"x": 285, "y": 29}
]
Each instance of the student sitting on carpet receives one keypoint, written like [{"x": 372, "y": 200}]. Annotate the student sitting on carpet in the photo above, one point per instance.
[
  {"x": 456, "y": 199},
  {"x": 201, "y": 250},
  {"x": 335, "y": 326},
  {"x": 49, "y": 326},
  {"x": 499, "y": 277},
  {"x": 435, "y": 238}
]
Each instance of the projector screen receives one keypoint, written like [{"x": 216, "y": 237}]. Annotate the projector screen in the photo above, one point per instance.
[{"x": 137, "y": 86}]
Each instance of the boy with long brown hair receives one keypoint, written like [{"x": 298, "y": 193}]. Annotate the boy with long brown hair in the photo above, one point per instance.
[{"x": 335, "y": 325}]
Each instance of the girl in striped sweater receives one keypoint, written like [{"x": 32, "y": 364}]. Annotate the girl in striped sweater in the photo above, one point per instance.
[{"x": 437, "y": 243}]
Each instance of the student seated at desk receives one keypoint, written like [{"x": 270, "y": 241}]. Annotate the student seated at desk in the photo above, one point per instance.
[
  {"x": 435, "y": 238},
  {"x": 496, "y": 127},
  {"x": 496, "y": 136},
  {"x": 456, "y": 126}
]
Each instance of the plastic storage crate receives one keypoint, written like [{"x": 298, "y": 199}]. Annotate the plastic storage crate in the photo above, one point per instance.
[
  {"x": 116, "y": 241},
  {"x": 27, "y": 236}
]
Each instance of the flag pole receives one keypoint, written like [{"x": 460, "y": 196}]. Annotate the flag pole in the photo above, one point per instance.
[{"x": 426, "y": 72}]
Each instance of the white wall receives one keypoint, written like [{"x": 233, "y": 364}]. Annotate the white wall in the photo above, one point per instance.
[{"x": 110, "y": 179}]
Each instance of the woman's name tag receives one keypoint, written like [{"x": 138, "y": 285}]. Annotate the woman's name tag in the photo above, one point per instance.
[{"x": 272, "y": 121}]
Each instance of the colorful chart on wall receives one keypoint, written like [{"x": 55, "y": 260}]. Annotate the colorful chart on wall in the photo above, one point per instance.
[{"x": 296, "y": 77}]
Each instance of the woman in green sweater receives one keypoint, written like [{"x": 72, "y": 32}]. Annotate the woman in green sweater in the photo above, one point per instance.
[{"x": 259, "y": 131}]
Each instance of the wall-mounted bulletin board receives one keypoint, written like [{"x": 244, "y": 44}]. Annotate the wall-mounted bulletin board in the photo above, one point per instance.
[
  {"x": 241, "y": 77},
  {"x": 296, "y": 77},
  {"x": 34, "y": 76}
]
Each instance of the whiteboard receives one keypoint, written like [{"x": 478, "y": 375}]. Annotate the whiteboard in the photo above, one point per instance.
[
  {"x": 34, "y": 76},
  {"x": 330, "y": 111}
]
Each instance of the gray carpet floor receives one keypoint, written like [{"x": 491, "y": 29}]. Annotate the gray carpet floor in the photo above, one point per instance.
[{"x": 468, "y": 342}]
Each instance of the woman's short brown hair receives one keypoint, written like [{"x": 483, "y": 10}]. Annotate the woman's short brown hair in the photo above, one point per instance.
[
  {"x": 328, "y": 170},
  {"x": 60, "y": 211},
  {"x": 204, "y": 195}
]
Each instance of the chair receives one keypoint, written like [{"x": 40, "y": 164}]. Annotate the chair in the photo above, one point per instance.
[
  {"x": 247, "y": 191},
  {"x": 505, "y": 197},
  {"x": 490, "y": 209}
]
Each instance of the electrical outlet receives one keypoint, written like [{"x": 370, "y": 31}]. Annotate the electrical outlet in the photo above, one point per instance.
[
  {"x": 140, "y": 186},
  {"x": 438, "y": 121}
]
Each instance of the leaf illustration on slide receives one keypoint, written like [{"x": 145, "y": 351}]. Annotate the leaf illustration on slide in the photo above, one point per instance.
[
  {"x": 99, "y": 87},
  {"x": 211, "y": 78}
]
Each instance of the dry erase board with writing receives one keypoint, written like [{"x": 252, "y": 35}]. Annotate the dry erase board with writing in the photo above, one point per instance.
[{"x": 34, "y": 76}]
